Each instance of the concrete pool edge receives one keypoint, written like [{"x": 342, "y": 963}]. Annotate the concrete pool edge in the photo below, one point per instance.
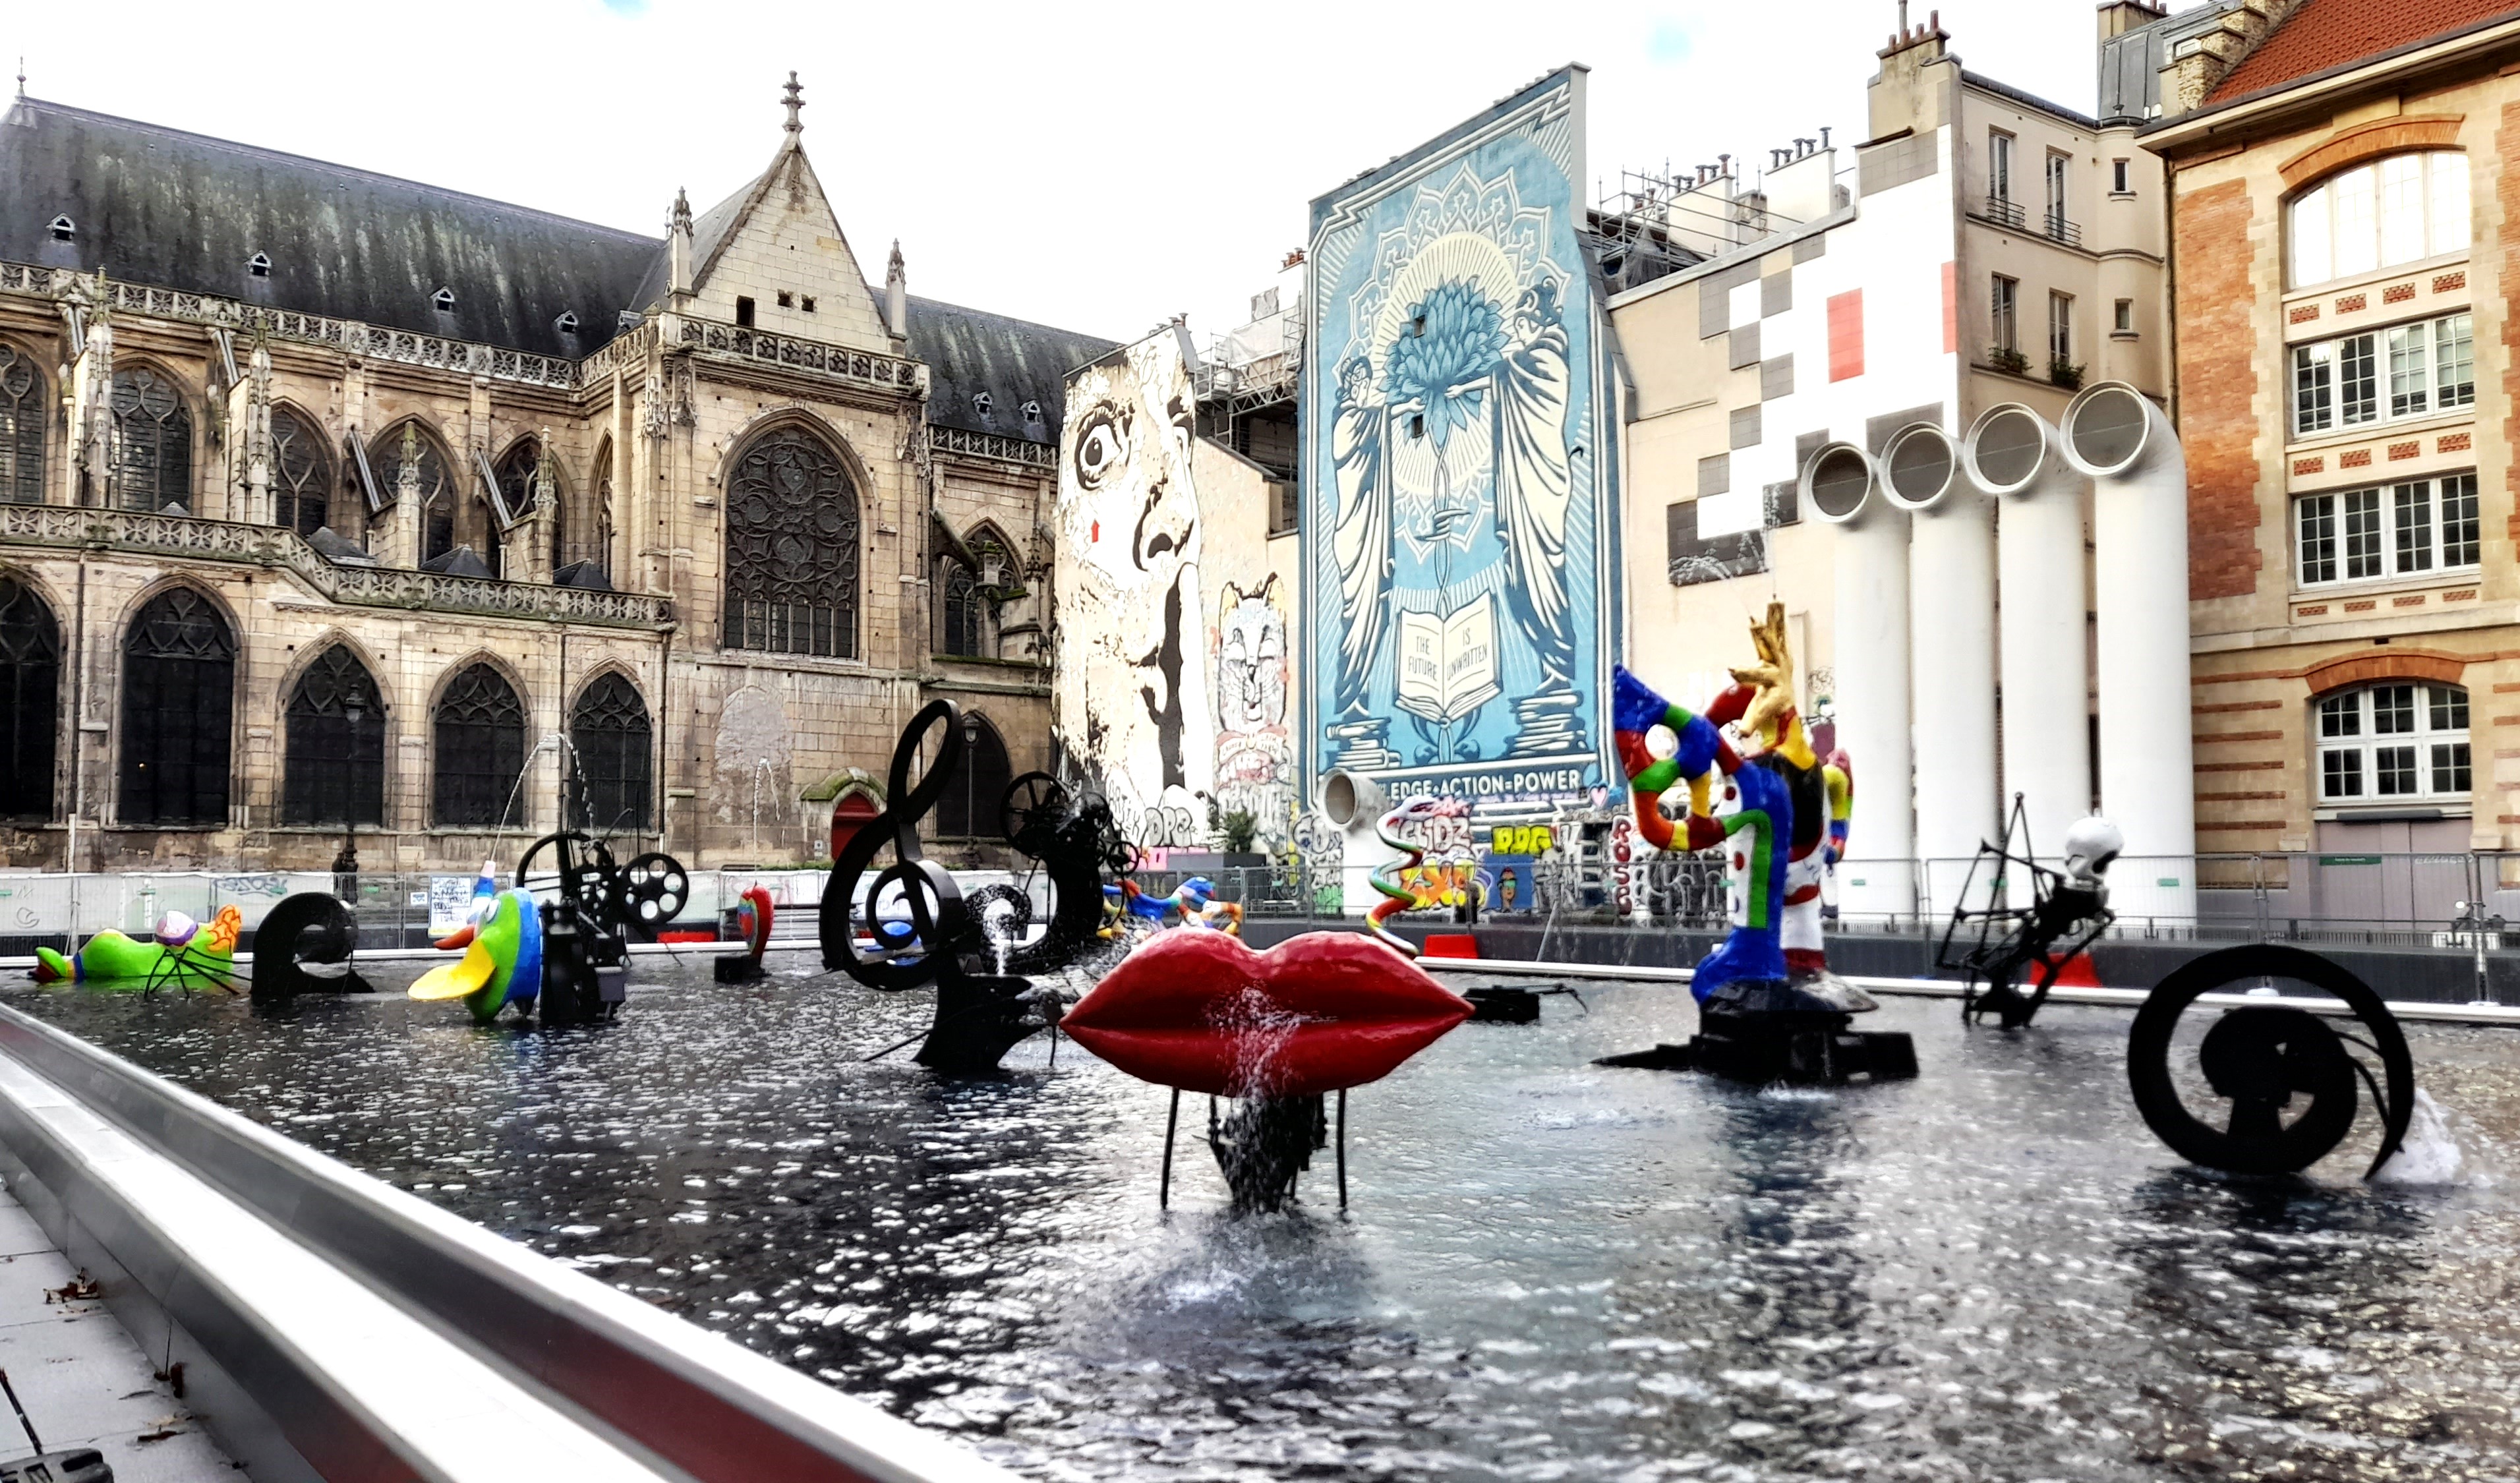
[{"x": 674, "y": 1398}]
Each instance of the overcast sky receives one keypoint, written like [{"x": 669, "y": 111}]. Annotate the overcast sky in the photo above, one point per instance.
[{"x": 1098, "y": 168}]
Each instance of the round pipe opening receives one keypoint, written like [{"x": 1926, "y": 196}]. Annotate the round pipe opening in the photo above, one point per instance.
[
  {"x": 1921, "y": 464},
  {"x": 2009, "y": 447},
  {"x": 1838, "y": 480},
  {"x": 1346, "y": 798},
  {"x": 2109, "y": 428}
]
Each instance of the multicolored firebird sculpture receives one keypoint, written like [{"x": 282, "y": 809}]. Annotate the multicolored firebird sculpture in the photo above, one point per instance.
[
  {"x": 1126, "y": 904},
  {"x": 181, "y": 952},
  {"x": 503, "y": 954},
  {"x": 1772, "y": 1007}
]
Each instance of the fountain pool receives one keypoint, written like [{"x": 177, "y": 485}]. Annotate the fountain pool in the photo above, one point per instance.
[{"x": 1550, "y": 1270}]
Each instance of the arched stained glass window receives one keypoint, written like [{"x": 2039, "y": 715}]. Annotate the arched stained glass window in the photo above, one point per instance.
[
  {"x": 30, "y": 686},
  {"x": 153, "y": 434},
  {"x": 964, "y": 608},
  {"x": 178, "y": 694},
  {"x": 301, "y": 476},
  {"x": 969, "y": 807},
  {"x": 335, "y": 756},
  {"x": 481, "y": 752},
  {"x": 408, "y": 457},
  {"x": 22, "y": 428},
  {"x": 791, "y": 549},
  {"x": 610, "y": 736}
]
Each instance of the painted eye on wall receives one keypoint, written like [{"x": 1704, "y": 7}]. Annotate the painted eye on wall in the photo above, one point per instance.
[{"x": 1100, "y": 445}]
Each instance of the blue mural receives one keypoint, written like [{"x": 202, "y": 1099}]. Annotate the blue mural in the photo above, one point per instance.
[{"x": 1459, "y": 473}]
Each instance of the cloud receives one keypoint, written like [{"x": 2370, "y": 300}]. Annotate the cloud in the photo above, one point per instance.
[
  {"x": 1668, "y": 43},
  {"x": 626, "y": 7}
]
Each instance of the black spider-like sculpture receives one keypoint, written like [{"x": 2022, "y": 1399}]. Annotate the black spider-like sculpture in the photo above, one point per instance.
[{"x": 2019, "y": 951}]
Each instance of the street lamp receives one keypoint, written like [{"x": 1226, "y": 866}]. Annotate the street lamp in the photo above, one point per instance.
[
  {"x": 971, "y": 808},
  {"x": 346, "y": 866}
]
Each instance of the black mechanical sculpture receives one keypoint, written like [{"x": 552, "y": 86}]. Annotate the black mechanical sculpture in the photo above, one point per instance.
[
  {"x": 308, "y": 927},
  {"x": 1072, "y": 839},
  {"x": 907, "y": 925},
  {"x": 588, "y": 922},
  {"x": 2068, "y": 911},
  {"x": 2259, "y": 1057}
]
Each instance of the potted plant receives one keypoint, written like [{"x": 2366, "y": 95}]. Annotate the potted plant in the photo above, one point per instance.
[
  {"x": 2010, "y": 361},
  {"x": 1235, "y": 835},
  {"x": 2065, "y": 374}
]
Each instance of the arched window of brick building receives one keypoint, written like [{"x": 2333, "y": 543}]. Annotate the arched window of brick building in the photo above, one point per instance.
[
  {"x": 31, "y": 687},
  {"x": 22, "y": 428},
  {"x": 302, "y": 475},
  {"x": 336, "y": 758},
  {"x": 609, "y": 739},
  {"x": 178, "y": 695},
  {"x": 969, "y": 807},
  {"x": 408, "y": 448},
  {"x": 791, "y": 548},
  {"x": 480, "y": 754},
  {"x": 2397, "y": 742},
  {"x": 153, "y": 433},
  {"x": 2398, "y": 210}
]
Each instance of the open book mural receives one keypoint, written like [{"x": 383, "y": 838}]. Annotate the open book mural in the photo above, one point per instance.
[{"x": 1459, "y": 468}]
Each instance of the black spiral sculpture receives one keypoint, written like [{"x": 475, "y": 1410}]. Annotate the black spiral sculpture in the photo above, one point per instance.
[{"x": 309, "y": 927}]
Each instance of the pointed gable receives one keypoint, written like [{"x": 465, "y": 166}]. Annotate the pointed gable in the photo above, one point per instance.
[{"x": 779, "y": 236}]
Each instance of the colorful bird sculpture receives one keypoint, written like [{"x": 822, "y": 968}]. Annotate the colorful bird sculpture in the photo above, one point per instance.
[{"x": 503, "y": 955}]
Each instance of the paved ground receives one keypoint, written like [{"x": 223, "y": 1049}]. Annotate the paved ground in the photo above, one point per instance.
[{"x": 84, "y": 1381}]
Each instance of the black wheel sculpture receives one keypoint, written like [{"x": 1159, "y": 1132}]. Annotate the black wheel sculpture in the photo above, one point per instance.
[
  {"x": 309, "y": 927},
  {"x": 1031, "y": 812},
  {"x": 1072, "y": 841},
  {"x": 2259, "y": 1057},
  {"x": 641, "y": 897}
]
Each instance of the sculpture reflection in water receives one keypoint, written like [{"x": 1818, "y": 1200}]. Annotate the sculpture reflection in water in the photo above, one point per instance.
[{"x": 1769, "y": 1009}]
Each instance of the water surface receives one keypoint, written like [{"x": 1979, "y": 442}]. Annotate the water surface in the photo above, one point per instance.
[{"x": 1548, "y": 1270}]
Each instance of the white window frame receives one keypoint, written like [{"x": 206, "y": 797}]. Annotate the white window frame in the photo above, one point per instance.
[
  {"x": 2424, "y": 368},
  {"x": 1999, "y": 166},
  {"x": 2004, "y": 307},
  {"x": 2406, "y": 528},
  {"x": 2382, "y": 214},
  {"x": 2395, "y": 743},
  {"x": 2060, "y": 326}
]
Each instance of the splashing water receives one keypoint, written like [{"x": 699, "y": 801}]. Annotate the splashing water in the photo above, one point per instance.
[{"x": 2431, "y": 1155}]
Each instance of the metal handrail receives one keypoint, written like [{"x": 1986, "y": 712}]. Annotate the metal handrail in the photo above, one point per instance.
[{"x": 696, "y": 1401}]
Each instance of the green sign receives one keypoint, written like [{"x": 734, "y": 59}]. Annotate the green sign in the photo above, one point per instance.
[
  {"x": 2349, "y": 859},
  {"x": 2169, "y": 880}
]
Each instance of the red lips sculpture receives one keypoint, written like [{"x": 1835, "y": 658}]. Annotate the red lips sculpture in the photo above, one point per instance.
[{"x": 1201, "y": 1012}]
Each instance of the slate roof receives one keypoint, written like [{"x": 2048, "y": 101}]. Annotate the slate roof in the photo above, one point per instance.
[
  {"x": 970, "y": 351},
  {"x": 2321, "y": 35},
  {"x": 161, "y": 207}
]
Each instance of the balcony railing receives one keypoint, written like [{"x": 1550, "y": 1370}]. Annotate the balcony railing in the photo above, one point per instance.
[
  {"x": 2003, "y": 210},
  {"x": 73, "y": 526},
  {"x": 2060, "y": 229}
]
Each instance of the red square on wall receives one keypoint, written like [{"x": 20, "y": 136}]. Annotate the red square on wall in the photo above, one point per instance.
[{"x": 1846, "y": 334}]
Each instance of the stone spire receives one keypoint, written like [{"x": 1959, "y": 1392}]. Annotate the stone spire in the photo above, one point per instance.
[
  {"x": 896, "y": 295},
  {"x": 678, "y": 251},
  {"x": 795, "y": 101}
]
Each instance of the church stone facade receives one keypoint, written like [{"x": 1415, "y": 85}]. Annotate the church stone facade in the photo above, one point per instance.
[{"x": 331, "y": 501}]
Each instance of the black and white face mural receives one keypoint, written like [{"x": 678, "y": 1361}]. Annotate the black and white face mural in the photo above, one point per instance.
[{"x": 1131, "y": 697}]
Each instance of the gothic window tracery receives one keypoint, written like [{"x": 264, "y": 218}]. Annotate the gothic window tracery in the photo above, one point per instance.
[
  {"x": 481, "y": 752},
  {"x": 30, "y": 684},
  {"x": 335, "y": 756},
  {"x": 301, "y": 476},
  {"x": 610, "y": 736},
  {"x": 22, "y": 428},
  {"x": 407, "y": 448},
  {"x": 178, "y": 694},
  {"x": 153, "y": 434},
  {"x": 792, "y": 539},
  {"x": 966, "y": 600}
]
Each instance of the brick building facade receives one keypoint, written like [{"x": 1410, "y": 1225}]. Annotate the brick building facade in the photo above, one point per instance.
[
  {"x": 2343, "y": 225},
  {"x": 330, "y": 498}
]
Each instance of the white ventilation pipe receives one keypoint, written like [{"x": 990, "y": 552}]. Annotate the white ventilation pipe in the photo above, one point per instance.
[
  {"x": 1354, "y": 805},
  {"x": 1951, "y": 628},
  {"x": 1841, "y": 484},
  {"x": 2017, "y": 456},
  {"x": 2115, "y": 435}
]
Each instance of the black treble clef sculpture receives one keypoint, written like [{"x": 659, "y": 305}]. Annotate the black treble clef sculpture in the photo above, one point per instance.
[{"x": 907, "y": 925}]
